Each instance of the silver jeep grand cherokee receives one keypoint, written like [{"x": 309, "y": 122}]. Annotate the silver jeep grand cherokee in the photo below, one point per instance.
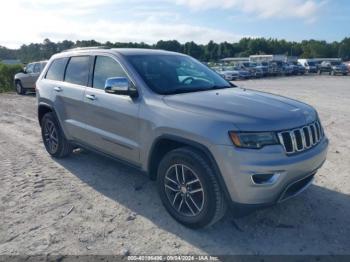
[{"x": 208, "y": 143}]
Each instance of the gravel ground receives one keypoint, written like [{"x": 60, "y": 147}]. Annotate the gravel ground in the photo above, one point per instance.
[{"x": 88, "y": 204}]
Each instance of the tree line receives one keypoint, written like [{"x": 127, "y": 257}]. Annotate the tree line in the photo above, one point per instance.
[{"x": 208, "y": 52}]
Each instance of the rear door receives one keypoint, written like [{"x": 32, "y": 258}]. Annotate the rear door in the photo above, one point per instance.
[
  {"x": 111, "y": 120},
  {"x": 68, "y": 91},
  {"x": 27, "y": 78}
]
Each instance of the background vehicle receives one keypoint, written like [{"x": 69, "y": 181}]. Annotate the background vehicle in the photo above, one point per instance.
[
  {"x": 277, "y": 67},
  {"x": 229, "y": 75},
  {"x": 195, "y": 133},
  {"x": 348, "y": 65},
  {"x": 333, "y": 68},
  {"x": 287, "y": 69},
  {"x": 243, "y": 74},
  {"x": 252, "y": 68},
  {"x": 25, "y": 81},
  {"x": 264, "y": 68},
  {"x": 309, "y": 65}
]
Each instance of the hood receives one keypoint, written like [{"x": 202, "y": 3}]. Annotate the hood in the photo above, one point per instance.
[
  {"x": 19, "y": 75},
  {"x": 247, "y": 110}
]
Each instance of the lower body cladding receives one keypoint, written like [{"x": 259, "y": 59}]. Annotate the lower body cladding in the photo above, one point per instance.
[{"x": 267, "y": 176}]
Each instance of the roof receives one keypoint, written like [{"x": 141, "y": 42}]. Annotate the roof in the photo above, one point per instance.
[{"x": 122, "y": 51}]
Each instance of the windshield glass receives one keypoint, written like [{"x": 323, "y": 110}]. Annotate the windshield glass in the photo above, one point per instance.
[
  {"x": 172, "y": 74},
  {"x": 311, "y": 63}
]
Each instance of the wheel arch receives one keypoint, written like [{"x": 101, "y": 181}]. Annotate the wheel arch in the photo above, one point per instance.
[
  {"x": 166, "y": 143},
  {"x": 43, "y": 109}
]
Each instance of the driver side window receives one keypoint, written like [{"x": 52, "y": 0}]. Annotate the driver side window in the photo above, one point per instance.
[{"x": 106, "y": 67}]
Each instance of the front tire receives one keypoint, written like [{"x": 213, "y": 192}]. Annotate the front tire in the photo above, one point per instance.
[
  {"x": 54, "y": 140},
  {"x": 189, "y": 189},
  {"x": 19, "y": 88}
]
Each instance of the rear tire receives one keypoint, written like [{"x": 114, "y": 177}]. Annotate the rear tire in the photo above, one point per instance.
[
  {"x": 19, "y": 88},
  {"x": 189, "y": 189},
  {"x": 54, "y": 140}
]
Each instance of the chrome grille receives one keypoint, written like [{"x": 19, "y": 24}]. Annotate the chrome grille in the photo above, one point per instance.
[{"x": 301, "y": 139}]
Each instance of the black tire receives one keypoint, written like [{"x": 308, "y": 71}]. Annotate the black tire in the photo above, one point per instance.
[
  {"x": 63, "y": 148},
  {"x": 213, "y": 205},
  {"x": 19, "y": 88}
]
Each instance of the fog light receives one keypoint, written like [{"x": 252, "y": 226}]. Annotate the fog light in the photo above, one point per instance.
[{"x": 265, "y": 179}]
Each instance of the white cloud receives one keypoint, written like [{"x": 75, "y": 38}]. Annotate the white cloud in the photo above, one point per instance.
[
  {"x": 77, "y": 20},
  {"x": 306, "y": 9}
]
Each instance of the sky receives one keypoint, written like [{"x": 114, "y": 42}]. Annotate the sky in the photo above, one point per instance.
[{"x": 27, "y": 21}]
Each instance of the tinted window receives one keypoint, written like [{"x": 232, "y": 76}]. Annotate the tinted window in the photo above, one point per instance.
[
  {"x": 56, "y": 70},
  {"x": 78, "y": 70},
  {"x": 36, "y": 68},
  {"x": 106, "y": 67}
]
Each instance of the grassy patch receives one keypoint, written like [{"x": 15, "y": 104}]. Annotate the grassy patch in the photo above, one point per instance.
[{"x": 7, "y": 73}]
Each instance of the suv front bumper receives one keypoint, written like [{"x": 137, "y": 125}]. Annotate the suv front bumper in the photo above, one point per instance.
[{"x": 289, "y": 174}]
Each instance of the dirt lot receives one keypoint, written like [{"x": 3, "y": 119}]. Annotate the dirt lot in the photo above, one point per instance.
[{"x": 88, "y": 204}]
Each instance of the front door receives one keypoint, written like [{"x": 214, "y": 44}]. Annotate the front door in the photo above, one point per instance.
[{"x": 111, "y": 120}]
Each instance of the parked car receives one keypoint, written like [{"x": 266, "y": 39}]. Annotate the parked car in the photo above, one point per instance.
[
  {"x": 264, "y": 68},
  {"x": 209, "y": 144},
  {"x": 297, "y": 68},
  {"x": 333, "y": 68},
  {"x": 252, "y": 68},
  {"x": 275, "y": 68},
  {"x": 287, "y": 69},
  {"x": 301, "y": 69},
  {"x": 25, "y": 81},
  {"x": 242, "y": 73},
  {"x": 348, "y": 65},
  {"x": 310, "y": 66},
  {"x": 229, "y": 75}
]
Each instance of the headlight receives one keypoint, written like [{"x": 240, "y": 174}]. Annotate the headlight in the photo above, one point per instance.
[{"x": 253, "y": 140}]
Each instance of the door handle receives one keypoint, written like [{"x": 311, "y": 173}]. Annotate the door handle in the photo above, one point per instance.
[
  {"x": 91, "y": 97},
  {"x": 58, "y": 89}
]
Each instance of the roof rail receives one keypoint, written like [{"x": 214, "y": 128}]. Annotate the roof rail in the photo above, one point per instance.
[{"x": 85, "y": 48}]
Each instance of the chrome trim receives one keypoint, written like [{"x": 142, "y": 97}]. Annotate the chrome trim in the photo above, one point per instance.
[{"x": 313, "y": 127}]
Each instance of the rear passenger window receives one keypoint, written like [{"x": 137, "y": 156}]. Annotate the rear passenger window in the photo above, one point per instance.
[
  {"x": 106, "y": 67},
  {"x": 56, "y": 70},
  {"x": 78, "y": 70}
]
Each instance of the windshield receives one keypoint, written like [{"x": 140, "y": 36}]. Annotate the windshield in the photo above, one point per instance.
[
  {"x": 311, "y": 63},
  {"x": 172, "y": 74}
]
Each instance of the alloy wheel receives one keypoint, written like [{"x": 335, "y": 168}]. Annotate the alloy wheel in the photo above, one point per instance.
[
  {"x": 50, "y": 136},
  {"x": 184, "y": 190}
]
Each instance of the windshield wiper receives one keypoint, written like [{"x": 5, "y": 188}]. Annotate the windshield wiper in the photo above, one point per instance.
[
  {"x": 197, "y": 89},
  {"x": 188, "y": 90}
]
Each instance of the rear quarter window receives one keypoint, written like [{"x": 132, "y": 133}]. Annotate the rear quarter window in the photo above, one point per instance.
[
  {"x": 78, "y": 70},
  {"x": 56, "y": 70}
]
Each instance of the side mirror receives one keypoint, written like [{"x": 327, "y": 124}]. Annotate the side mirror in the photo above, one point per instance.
[
  {"x": 24, "y": 70},
  {"x": 120, "y": 86}
]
